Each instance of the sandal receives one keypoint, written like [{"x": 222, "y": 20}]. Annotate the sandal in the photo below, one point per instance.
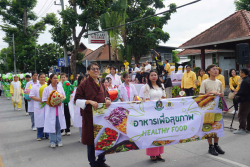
[
  {"x": 160, "y": 159},
  {"x": 153, "y": 160}
]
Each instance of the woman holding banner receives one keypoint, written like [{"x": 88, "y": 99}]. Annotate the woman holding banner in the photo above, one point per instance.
[{"x": 154, "y": 90}]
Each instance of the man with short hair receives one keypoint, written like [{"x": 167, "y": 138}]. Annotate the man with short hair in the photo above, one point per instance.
[
  {"x": 243, "y": 96},
  {"x": 88, "y": 95},
  {"x": 27, "y": 79},
  {"x": 208, "y": 87},
  {"x": 187, "y": 82}
]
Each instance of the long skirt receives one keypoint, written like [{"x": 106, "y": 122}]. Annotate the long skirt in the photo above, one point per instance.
[{"x": 155, "y": 151}]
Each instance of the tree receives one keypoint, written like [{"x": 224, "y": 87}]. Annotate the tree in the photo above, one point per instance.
[
  {"x": 87, "y": 19},
  {"x": 47, "y": 55},
  {"x": 147, "y": 34},
  {"x": 114, "y": 17},
  {"x": 6, "y": 60},
  {"x": 17, "y": 15},
  {"x": 175, "y": 58},
  {"x": 242, "y": 4}
]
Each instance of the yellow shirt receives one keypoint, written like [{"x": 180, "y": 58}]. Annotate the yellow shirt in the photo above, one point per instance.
[
  {"x": 204, "y": 77},
  {"x": 233, "y": 81},
  {"x": 187, "y": 81},
  {"x": 167, "y": 68},
  {"x": 126, "y": 64},
  {"x": 222, "y": 79}
]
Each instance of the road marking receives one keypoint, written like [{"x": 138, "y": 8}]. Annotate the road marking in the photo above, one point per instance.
[
  {"x": 1, "y": 162},
  {"x": 227, "y": 161}
]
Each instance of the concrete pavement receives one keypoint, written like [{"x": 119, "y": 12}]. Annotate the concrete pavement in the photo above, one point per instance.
[{"x": 19, "y": 148}]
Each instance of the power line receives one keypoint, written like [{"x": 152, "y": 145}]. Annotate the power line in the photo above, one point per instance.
[
  {"x": 45, "y": 11},
  {"x": 146, "y": 17},
  {"x": 42, "y": 7}
]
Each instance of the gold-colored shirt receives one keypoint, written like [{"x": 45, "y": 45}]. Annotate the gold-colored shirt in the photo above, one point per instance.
[
  {"x": 187, "y": 81},
  {"x": 222, "y": 79}
]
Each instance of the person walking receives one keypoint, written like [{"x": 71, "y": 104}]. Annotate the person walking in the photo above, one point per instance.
[
  {"x": 187, "y": 82},
  {"x": 54, "y": 120},
  {"x": 243, "y": 96},
  {"x": 33, "y": 82},
  {"x": 16, "y": 93},
  {"x": 88, "y": 95},
  {"x": 76, "y": 109},
  {"x": 39, "y": 111},
  {"x": 154, "y": 90},
  {"x": 127, "y": 90},
  {"x": 208, "y": 87},
  {"x": 24, "y": 83},
  {"x": 6, "y": 85},
  {"x": 1, "y": 86},
  {"x": 68, "y": 90}
]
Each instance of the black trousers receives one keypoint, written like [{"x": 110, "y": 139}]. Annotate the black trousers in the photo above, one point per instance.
[
  {"x": 26, "y": 105},
  {"x": 67, "y": 117},
  {"x": 91, "y": 156},
  {"x": 0, "y": 92},
  {"x": 189, "y": 92}
]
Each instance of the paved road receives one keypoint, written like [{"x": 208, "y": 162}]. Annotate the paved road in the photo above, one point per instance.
[{"x": 19, "y": 148}]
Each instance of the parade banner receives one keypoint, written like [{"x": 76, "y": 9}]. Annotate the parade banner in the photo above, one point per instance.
[{"x": 127, "y": 126}]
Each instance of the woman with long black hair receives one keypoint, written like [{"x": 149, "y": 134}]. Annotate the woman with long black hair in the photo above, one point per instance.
[
  {"x": 154, "y": 90},
  {"x": 54, "y": 120}
]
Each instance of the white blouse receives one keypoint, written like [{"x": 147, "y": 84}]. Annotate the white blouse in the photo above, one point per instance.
[{"x": 153, "y": 94}]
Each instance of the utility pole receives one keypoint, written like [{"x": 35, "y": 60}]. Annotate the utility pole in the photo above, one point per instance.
[
  {"x": 13, "y": 40},
  {"x": 64, "y": 47},
  {"x": 35, "y": 52}
]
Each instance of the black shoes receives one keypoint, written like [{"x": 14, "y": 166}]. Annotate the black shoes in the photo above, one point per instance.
[
  {"x": 219, "y": 150},
  {"x": 215, "y": 150},
  {"x": 212, "y": 151},
  {"x": 103, "y": 165}
]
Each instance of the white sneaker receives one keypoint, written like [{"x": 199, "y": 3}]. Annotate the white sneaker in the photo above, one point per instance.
[
  {"x": 53, "y": 145},
  {"x": 240, "y": 131},
  {"x": 60, "y": 144},
  {"x": 8, "y": 98},
  {"x": 63, "y": 133},
  {"x": 34, "y": 129},
  {"x": 234, "y": 112},
  {"x": 19, "y": 109},
  {"x": 27, "y": 113},
  {"x": 80, "y": 140},
  {"x": 68, "y": 133},
  {"x": 247, "y": 131}
]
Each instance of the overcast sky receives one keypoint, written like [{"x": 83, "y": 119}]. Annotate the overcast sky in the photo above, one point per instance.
[{"x": 185, "y": 24}]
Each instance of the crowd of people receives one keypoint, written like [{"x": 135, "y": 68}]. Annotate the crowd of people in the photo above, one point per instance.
[{"x": 51, "y": 122}]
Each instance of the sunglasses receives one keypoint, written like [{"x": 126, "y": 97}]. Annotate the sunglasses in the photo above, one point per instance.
[{"x": 95, "y": 69}]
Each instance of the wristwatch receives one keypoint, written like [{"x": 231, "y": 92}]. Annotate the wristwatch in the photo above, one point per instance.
[{"x": 107, "y": 98}]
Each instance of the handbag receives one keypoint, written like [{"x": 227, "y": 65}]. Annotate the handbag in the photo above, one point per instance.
[{"x": 231, "y": 95}]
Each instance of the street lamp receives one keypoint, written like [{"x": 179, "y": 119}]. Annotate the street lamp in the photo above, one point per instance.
[{"x": 13, "y": 41}]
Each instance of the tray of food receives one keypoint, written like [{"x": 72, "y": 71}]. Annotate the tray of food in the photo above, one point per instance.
[
  {"x": 106, "y": 139},
  {"x": 123, "y": 146},
  {"x": 118, "y": 118},
  {"x": 211, "y": 122},
  {"x": 97, "y": 129},
  {"x": 205, "y": 102},
  {"x": 194, "y": 138},
  {"x": 162, "y": 142},
  {"x": 100, "y": 110}
]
